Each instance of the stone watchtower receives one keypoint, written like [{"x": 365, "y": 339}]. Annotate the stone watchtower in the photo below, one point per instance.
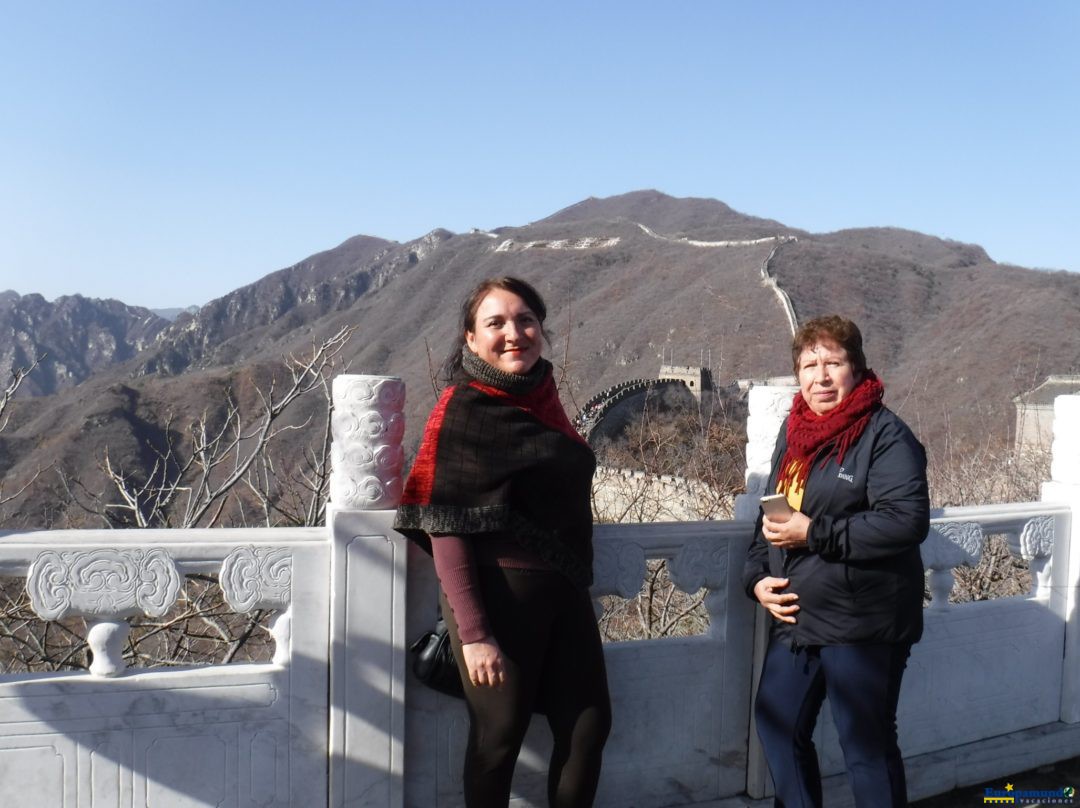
[{"x": 696, "y": 379}]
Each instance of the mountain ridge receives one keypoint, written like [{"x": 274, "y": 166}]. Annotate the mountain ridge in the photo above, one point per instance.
[{"x": 953, "y": 333}]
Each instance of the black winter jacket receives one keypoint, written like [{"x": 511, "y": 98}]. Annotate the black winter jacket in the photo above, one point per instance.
[{"x": 860, "y": 579}]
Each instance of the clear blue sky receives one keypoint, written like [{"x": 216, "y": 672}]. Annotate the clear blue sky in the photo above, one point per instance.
[{"x": 165, "y": 153}]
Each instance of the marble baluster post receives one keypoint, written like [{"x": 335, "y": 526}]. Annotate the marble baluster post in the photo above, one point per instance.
[
  {"x": 1064, "y": 487},
  {"x": 768, "y": 406},
  {"x": 368, "y": 577}
]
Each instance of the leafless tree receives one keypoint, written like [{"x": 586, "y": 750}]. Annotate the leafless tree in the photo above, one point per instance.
[
  {"x": 18, "y": 375},
  {"x": 228, "y": 466}
]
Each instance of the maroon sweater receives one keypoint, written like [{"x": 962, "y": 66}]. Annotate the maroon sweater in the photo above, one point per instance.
[{"x": 456, "y": 561}]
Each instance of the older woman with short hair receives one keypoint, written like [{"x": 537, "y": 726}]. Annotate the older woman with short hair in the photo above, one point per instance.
[{"x": 841, "y": 574}]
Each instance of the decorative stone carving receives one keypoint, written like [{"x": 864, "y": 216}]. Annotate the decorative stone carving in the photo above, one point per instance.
[
  {"x": 366, "y": 455},
  {"x": 281, "y": 631},
  {"x": 257, "y": 578},
  {"x": 952, "y": 544},
  {"x": 949, "y": 545},
  {"x": 700, "y": 563},
  {"x": 703, "y": 563},
  {"x": 619, "y": 569},
  {"x": 941, "y": 585},
  {"x": 1037, "y": 538},
  {"x": 106, "y": 584},
  {"x": 1037, "y": 547}
]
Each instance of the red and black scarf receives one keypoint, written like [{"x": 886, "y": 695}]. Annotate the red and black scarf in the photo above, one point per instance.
[
  {"x": 834, "y": 432},
  {"x": 499, "y": 455}
]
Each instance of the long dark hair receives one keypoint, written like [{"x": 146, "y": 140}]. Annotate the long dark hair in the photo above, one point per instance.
[{"x": 467, "y": 321}]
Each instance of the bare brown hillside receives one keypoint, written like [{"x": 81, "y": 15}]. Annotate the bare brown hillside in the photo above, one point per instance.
[{"x": 953, "y": 334}]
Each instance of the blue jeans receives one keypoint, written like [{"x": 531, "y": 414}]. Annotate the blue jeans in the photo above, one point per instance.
[{"x": 862, "y": 683}]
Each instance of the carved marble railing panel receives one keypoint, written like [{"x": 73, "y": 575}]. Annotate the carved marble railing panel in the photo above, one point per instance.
[
  {"x": 102, "y": 583},
  {"x": 618, "y": 569},
  {"x": 690, "y": 694},
  {"x": 261, "y": 578},
  {"x": 183, "y": 729},
  {"x": 106, "y": 586},
  {"x": 702, "y": 563},
  {"x": 257, "y": 578},
  {"x": 958, "y": 538},
  {"x": 1036, "y": 542},
  {"x": 949, "y": 545},
  {"x": 692, "y": 691},
  {"x": 366, "y": 455}
]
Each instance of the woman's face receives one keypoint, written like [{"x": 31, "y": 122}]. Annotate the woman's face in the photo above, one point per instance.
[
  {"x": 825, "y": 376},
  {"x": 507, "y": 333}
]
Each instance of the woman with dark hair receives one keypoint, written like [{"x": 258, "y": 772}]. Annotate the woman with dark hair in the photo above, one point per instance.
[
  {"x": 840, "y": 573},
  {"x": 499, "y": 496}
]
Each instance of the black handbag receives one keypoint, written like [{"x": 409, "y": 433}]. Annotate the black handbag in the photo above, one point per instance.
[{"x": 433, "y": 661}]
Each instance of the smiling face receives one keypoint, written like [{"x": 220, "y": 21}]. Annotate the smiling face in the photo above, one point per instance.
[
  {"x": 507, "y": 333},
  {"x": 826, "y": 376}
]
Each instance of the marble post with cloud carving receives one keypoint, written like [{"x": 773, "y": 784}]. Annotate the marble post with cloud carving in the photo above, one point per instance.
[{"x": 366, "y": 456}]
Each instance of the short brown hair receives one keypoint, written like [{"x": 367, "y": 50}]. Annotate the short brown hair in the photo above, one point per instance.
[{"x": 832, "y": 328}]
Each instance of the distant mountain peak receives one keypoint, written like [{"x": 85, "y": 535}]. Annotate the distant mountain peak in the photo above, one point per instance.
[{"x": 691, "y": 217}]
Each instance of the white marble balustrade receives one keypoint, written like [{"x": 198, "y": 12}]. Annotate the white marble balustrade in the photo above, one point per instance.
[
  {"x": 240, "y": 734},
  {"x": 336, "y": 718}
]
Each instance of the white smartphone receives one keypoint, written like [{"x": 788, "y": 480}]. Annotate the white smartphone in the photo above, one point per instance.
[{"x": 776, "y": 507}]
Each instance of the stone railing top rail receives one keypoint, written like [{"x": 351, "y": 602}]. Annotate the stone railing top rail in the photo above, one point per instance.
[
  {"x": 663, "y": 538},
  {"x": 175, "y": 536},
  {"x": 1007, "y": 517},
  {"x": 193, "y": 549}
]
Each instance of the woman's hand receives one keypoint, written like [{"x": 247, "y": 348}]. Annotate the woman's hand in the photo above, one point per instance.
[
  {"x": 484, "y": 661},
  {"x": 781, "y": 605},
  {"x": 789, "y": 534}
]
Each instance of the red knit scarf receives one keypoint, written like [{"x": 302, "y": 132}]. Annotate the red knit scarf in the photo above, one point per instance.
[{"x": 836, "y": 431}]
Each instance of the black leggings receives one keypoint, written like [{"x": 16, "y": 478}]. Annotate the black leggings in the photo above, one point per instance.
[{"x": 546, "y": 629}]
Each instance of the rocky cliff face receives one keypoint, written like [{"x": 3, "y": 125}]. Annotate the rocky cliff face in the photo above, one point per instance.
[
  {"x": 76, "y": 337},
  {"x": 235, "y": 327}
]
